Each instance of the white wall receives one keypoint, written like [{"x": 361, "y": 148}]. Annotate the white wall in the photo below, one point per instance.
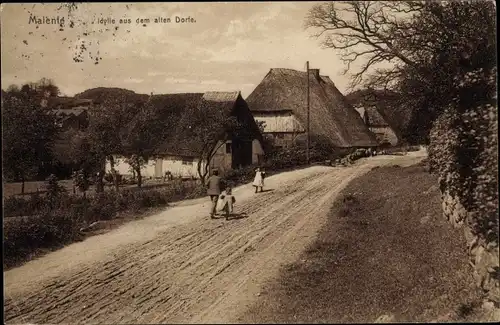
[
  {"x": 172, "y": 164},
  {"x": 176, "y": 166},
  {"x": 279, "y": 122}
]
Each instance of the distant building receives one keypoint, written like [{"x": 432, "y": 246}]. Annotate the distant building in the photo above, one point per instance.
[
  {"x": 179, "y": 155},
  {"x": 370, "y": 104},
  {"x": 280, "y": 102},
  {"x": 71, "y": 113},
  {"x": 375, "y": 121}
]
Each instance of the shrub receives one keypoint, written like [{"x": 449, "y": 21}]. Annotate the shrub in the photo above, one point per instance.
[
  {"x": 102, "y": 207},
  {"x": 24, "y": 236},
  {"x": 80, "y": 181},
  {"x": 19, "y": 206},
  {"x": 240, "y": 176},
  {"x": 51, "y": 225},
  {"x": 53, "y": 187}
]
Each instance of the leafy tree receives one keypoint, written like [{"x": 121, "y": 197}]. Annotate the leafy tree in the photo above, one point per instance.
[
  {"x": 142, "y": 136},
  {"x": 81, "y": 181},
  {"x": 136, "y": 163},
  {"x": 102, "y": 137},
  {"x": 28, "y": 136},
  {"x": 38, "y": 90},
  {"x": 48, "y": 86},
  {"x": 54, "y": 189},
  {"x": 13, "y": 89},
  {"x": 208, "y": 127}
]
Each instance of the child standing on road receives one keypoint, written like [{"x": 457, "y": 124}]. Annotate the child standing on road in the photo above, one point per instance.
[
  {"x": 258, "y": 181},
  {"x": 228, "y": 200}
]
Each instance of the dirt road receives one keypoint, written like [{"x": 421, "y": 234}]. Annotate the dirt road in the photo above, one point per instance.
[{"x": 179, "y": 266}]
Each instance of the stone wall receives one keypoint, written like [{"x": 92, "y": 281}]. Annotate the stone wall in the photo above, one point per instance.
[{"x": 464, "y": 154}]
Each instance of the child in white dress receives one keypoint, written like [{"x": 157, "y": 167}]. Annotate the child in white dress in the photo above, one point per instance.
[
  {"x": 258, "y": 181},
  {"x": 227, "y": 201}
]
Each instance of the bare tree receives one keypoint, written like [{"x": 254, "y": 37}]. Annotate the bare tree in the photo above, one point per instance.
[
  {"x": 365, "y": 31},
  {"x": 406, "y": 36}
]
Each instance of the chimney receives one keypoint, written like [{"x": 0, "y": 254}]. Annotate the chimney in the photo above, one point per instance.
[{"x": 315, "y": 73}]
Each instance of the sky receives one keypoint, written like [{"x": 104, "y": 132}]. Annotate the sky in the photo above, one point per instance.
[{"x": 230, "y": 46}]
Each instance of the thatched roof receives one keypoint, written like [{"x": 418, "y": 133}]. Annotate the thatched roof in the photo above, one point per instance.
[
  {"x": 330, "y": 115},
  {"x": 74, "y": 111},
  {"x": 378, "y": 106},
  {"x": 175, "y": 106},
  {"x": 374, "y": 117},
  {"x": 181, "y": 144}
]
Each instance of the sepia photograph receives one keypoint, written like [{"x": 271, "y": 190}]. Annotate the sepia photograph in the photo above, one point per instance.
[{"x": 250, "y": 162}]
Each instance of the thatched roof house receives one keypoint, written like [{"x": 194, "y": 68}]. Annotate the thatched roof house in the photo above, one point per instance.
[
  {"x": 371, "y": 106},
  {"x": 282, "y": 95},
  {"x": 179, "y": 153}
]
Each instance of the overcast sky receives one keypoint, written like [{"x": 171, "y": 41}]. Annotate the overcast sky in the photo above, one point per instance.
[{"x": 231, "y": 46}]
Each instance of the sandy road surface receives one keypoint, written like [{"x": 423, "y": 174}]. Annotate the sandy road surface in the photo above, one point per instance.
[{"x": 179, "y": 266}]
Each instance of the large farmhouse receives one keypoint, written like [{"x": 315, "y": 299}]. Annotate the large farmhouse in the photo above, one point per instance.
[
  {"x": 179, "y": 154},
  {"x": 280, "y": 101}
]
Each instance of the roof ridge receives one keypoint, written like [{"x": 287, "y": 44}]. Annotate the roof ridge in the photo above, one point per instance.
[
  {"x": 294, "y": 70},
  {"x": 222, "y": 92}
]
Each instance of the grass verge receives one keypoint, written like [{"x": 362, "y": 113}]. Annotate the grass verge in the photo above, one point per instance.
[{"x": 385, "y": 250}]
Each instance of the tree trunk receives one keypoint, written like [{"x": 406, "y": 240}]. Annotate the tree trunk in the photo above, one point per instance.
[
  {"x": 22, "y": 185},
  {"x": 202, "y": 177},
  {"x": 100, "y": 182},
  {"x": 139, "y": 177},
  {"x": 117, "y": 184},
  {"x": 114, "y": 173},
  {"x": 206, "y": 170}
]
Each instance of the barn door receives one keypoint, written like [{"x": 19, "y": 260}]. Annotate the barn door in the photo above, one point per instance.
[
  {"x": 241, "y": 153},
  {"x": 246, "y": 153}
]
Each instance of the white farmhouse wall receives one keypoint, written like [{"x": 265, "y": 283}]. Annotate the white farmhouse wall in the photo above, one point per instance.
[
  {"x": 120, "y": 166},
  {"x": 181, "y": 168},
  {"x": 173, "y": 164},
  {"x": 279, "y": 122}
]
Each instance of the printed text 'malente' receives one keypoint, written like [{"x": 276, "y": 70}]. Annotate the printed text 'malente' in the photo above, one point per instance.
[{"x": 39, "y": 20}]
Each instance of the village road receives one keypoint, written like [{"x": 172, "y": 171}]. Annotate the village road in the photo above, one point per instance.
[{"x": 179, "y": 266}]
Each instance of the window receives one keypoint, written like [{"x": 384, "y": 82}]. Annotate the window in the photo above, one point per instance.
[{"x": 228, "y": 147}]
